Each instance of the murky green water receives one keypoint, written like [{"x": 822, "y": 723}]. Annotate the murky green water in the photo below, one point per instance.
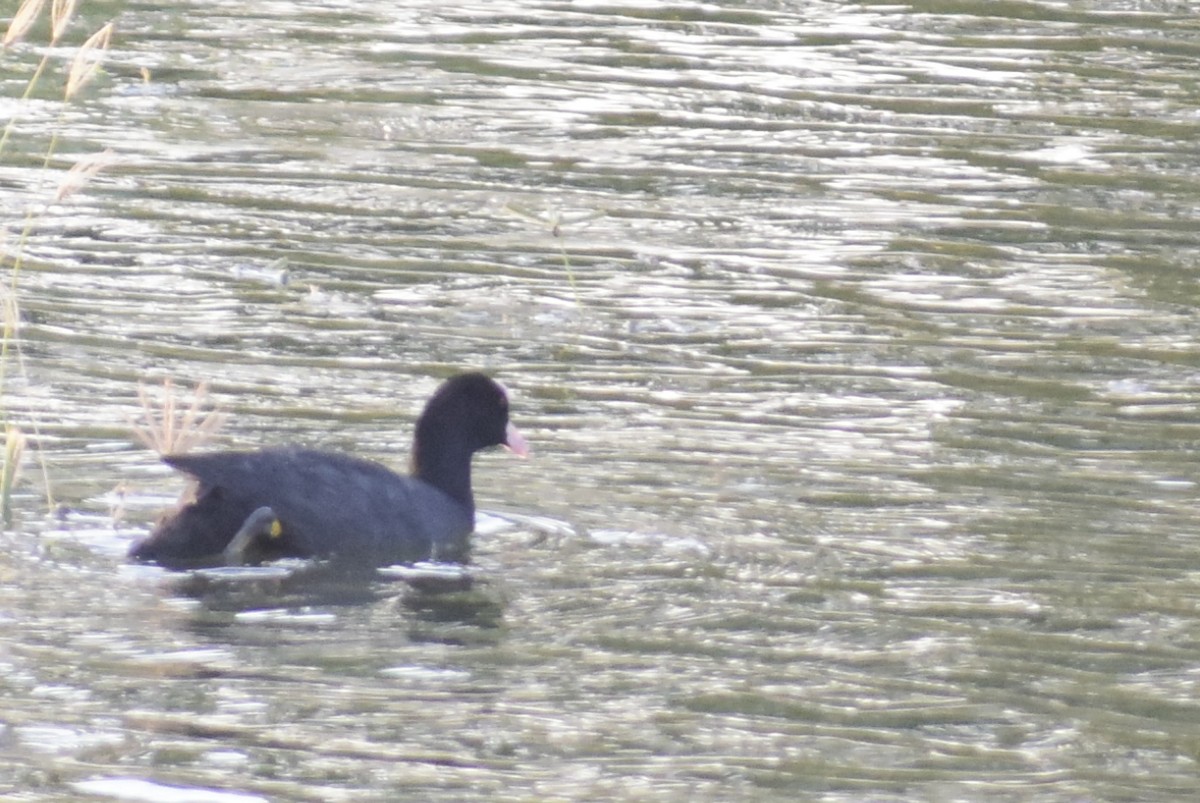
[{"x": 857, "y": 344}]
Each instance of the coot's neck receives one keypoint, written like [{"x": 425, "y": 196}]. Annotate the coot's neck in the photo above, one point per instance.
[{"x": 442, "y": 459}]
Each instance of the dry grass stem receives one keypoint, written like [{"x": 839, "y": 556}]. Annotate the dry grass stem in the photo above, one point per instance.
[
  {"x": 82, "y": 172},
  {"x": 87, "y": 61},
  {"x": 10, "y": 472},
  {"x": 556, "y": 232},
  {"x": 61, "y": 12},
  {"x": 116, "y": 509},
  {"x": 14, "y": 452},
  {"x": 83, "y": 67},
  {"x": 10, "y": 315},
  {"x": 22, "y": 21},
  {"x": 169, "y": 429}
]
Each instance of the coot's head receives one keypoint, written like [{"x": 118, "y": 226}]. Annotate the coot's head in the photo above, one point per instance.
[{"x": 468, "y": 412}]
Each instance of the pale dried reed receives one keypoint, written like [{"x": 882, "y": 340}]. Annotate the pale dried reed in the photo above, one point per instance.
[
  {"x": 82, "y": 171},
  {"x": 88, "y": 60},
  {"x": 61, "y": 12},
  {"x": 10, "y": 471},
  {"x": 22, "y": 21},
  {"x": 167, "y": 428}
]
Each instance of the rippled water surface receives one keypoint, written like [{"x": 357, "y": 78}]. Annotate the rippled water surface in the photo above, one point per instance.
[{"x": 856, "y": 342}]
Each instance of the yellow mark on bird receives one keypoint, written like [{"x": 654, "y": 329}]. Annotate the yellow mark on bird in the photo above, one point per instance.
[{"x": 276, "y": 528}]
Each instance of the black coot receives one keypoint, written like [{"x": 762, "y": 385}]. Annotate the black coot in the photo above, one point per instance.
[{"x": 330, "y": 505}]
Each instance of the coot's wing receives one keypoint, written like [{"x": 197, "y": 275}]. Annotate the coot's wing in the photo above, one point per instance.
[
  {"x": 334, "y": 504},
  {"x": 218, "y": 469}
]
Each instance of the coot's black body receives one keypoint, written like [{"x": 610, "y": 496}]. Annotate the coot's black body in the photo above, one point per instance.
[{"x": 331, "y": 505}]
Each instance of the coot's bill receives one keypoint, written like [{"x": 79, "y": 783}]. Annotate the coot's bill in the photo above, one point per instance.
[{"x": 331, "y": 505}]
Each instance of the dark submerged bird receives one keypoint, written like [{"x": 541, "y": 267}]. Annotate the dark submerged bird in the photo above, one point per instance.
[{"x": 331, "y": 505}]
